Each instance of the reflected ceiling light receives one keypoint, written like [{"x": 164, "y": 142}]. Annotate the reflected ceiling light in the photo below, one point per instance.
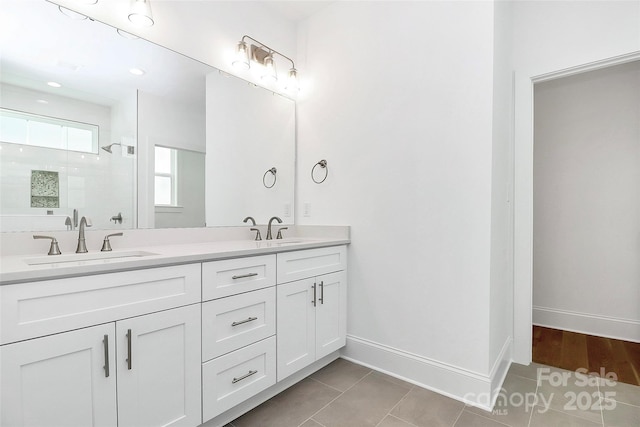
[
  {"x": 54, "y": 84},
  {"x": 127, "y": 35},
  {"x": 42, "y": 101},
  {"x": 72, "y": 14},
  {"x": 137, "y": 71},
  {"x": 140, "y": 13},
  {"x": 264, "y": 55}
]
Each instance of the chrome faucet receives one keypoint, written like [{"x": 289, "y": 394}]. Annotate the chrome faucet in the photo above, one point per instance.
[
  {"x": 269, "y": 235},
  {"x": 82, "y": 247}
]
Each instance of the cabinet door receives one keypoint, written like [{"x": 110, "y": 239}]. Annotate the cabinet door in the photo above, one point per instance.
[
  {"x": 159, "y": 380},
  {"x": 331, "y": 313},
  {"x": 67, "y": 379},
  {"x": 295, "y": 326}
]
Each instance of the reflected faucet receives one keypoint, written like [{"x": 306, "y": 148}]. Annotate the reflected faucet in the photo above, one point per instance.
[
  {"x": 82, "y": 247},
  {"x": 269, "y": 235},
  {"x": 250, "y": 218}
]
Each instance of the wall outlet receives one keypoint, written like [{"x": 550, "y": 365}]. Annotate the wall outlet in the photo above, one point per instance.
[
  {"x": 287, "y": 210},
  {"x": 306, "y": 211}
]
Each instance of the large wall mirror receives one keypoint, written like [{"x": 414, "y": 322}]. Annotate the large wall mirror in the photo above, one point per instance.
[{"x": 135, "y": 135}]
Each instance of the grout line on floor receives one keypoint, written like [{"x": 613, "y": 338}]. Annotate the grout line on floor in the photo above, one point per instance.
[
  {"x": 394, "y": 407},
  {"x": 332, "y": 388},
  {"x": 485, "y": 417},
  {"x": 458, "y": 417},
  {"x": 335, "y": 398}
]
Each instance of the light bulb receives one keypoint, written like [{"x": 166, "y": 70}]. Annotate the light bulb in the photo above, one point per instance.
[
  {"x": 242, "y": 56},
  {"x": 292, "y": 81},
  {"x": 140, "y": 13},
  {"x": 269, "y": 69}
]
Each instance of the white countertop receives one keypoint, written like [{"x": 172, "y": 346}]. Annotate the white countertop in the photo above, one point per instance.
[{"x": 15, "y": 269}]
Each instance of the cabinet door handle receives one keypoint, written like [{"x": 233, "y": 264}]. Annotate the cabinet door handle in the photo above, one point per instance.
[
  {"x": 105, "y": 342},
  {"x": 250, "y": 319},
  {"x": 247, "y": 375},
  {"x": 314, "y": 294},
  {"x": 322, "y": 292},
  {"x": 242, "y": 276},
  {"x": 129, "y": 349}
]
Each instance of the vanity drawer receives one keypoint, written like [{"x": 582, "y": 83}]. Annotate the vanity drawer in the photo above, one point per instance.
[
  {"x": 298, "y": 265},
  {"x": 237, "y": 321},
  {"x": 231, "y": 379},
  {"x": 233, "y": 276},
  {"x": 36, "y": 309}
]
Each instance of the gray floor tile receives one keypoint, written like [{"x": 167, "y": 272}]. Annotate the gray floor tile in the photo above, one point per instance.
[
  {"x": 514, "y": 403},
  {"x": 468, "y": 419},
  {"x": 577, "y": 396},
  {"x": 621, "y": 416},
  {"x": 621, "y": 392},
  {"x": 291, "y": 407},
  {"x": 422, "y": 407},
  {"x": 530, "y": 372},
  {"x": 364, "y": 404},
  {"x": 391, "y": 421},
  {"x": 341, "y": 374},
  {"x": 552, "y": 418},
  {"x": 311, "y": 423}
]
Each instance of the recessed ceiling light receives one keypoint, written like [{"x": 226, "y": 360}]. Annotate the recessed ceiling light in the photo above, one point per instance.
[
  {"x": 136, "y": 71},
  {"x": 54, "y": 84},
  {"x": 42, "y": 101}
]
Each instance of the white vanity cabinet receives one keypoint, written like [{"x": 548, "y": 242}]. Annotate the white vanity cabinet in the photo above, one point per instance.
[
  {"x": 144, "y": 354},
  {"x": 60, "y": 380},
  {"x": 238, "y": 331},
  {"x": 311, "y": 320}
]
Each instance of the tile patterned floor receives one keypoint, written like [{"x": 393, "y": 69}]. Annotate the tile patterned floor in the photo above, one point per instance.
[{"x": 344, "y": 394}]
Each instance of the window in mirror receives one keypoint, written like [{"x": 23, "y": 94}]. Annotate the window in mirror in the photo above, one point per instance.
[
  {"x": 165, "y": 177},
  {"x": 48, "y": 132}
]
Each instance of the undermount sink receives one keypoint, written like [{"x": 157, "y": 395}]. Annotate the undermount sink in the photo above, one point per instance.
[{"x": 90, "y": 256}]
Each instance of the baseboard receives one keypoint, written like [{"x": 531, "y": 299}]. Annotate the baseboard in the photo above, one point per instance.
[
  {"x": 466, "y": 386},
  {"x": 585, "y": 323}
]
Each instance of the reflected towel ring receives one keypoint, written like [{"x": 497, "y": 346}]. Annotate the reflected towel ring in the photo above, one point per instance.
[
  {"x": 323, "y": 165},
  {"x": 275, "y": 178}
]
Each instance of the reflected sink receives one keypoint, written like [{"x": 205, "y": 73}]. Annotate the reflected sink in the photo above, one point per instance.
[{"x": 90, "y": 256}]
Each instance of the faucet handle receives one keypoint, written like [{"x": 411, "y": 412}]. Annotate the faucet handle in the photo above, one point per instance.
[
  {"x": 54, "y": 249},
  {"x": 106, "y": 244},
  {"x": 258, "y": 236},
  {"x": 279, "y": 235}
]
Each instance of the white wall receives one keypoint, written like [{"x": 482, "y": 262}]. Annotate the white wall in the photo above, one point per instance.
[
  {"x": 548, "y": 37},
  {"x": 501, "y": 294},
  {"x": 586, "y": 262},
  {"x": 399, "y": 102}
]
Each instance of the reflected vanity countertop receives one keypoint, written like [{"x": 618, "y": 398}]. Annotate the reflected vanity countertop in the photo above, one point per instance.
[{"x": 27, "y": 268}]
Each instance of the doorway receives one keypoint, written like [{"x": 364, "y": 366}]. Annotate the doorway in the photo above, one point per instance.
[{"x": 586, "y": 221}]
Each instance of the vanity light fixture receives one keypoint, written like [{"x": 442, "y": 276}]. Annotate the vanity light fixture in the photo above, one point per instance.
[
  {"x": 140, "y": 13},
  {"x": 264, "y": 55}
]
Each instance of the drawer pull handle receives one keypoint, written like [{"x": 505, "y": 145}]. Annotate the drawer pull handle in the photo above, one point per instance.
[
  {"x": 250, "y": 319},
  {"x": 242, "y": 276},
  {"x": 105, "y": 341},
  {"x": 247, "y": 375},
  {"x": 129, "y": 349}
]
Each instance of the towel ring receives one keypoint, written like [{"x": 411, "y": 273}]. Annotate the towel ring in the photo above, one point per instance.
[
  {"x": 323, "y": 165},
  {"x": 275, "y": 178}
]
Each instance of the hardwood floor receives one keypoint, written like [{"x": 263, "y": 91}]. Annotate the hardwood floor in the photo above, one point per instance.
[{"x": 571, "y": 350}]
